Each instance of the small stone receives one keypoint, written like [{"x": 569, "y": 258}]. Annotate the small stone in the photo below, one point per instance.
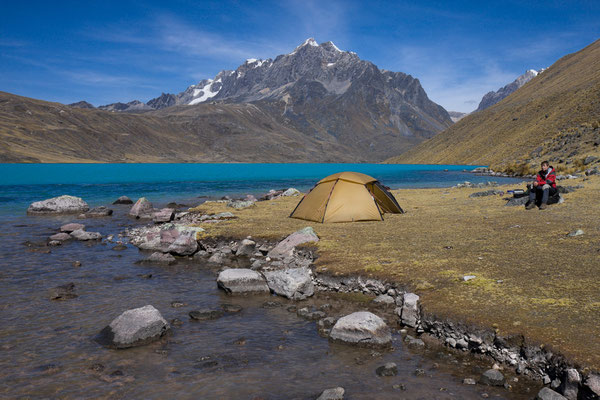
[
  {"x": 231, "y": 308},
  {"x": 419, "y": 372},
  {"x": 68, "y": 228},
  {"x": 492, "y": 377},
  {"x": 578, "y": 232},
  {"x": 414, "y": 341},
  {"x": 205, "y": 314},
  {"x": 119, "y": 247},
  {"x": 80, "y": 234},
  {"x": 384, "y": 299},
  {"x": 63, "y": 292},
  {"x": 134, "y": 327},
  {"x": 389, "y": 369},
  {"x": 332, "y": 394},
  {"x": 271, "y": 304},
  {"x": 469, "y": 381},
  {"x": 77, "y": 264},
  {"x": 176, "y": 322},
  {"x": 467, "y": 278},
  {"x": 60, "y": 237},
  {"x": 177, "y": 304}
]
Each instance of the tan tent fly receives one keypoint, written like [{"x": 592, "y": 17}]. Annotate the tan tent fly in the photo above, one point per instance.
[{"x": 346, "y": 197}]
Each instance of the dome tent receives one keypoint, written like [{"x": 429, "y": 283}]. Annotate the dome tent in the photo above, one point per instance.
[{"x": 346, "y": 197}]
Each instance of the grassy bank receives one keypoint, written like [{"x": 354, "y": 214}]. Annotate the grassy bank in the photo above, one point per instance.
[{"x": 531, "y": 277}]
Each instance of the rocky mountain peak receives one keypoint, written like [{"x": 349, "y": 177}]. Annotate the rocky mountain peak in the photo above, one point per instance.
[{"x": 492, "y": 97}]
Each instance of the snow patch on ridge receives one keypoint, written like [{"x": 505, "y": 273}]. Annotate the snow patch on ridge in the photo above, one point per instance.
[{"x": 207, "y": 92}]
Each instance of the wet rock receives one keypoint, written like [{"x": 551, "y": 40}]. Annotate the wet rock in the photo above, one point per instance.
[
  {"x": 242, "y": 280},
  {"x": 271, "y": 304},
  {"x": 161, "y": 258},
  {"x": 58, "y": 205},
  {"x": 293, "y": 283},
  {"x": 217, "y": 258},
  {"x": 409, "y": 315},
  {"x": 141, "y": 209},
  {"x": 119, "y": 247},
  {"x": 80, "y": 234},
  {"x": 311, "y": 315},
  {"x": 134, "y": 327},
  {"x": 469, "y": 381},
  {"x": 231, "y": 308},
  {"x": 205, "y": 314},
  {"x": 570, "y": 384},
  {"x": 361, "y": 328},
  {"x": 246, "y": 248},
  {"x": 54, "y": 243},
  {"x": 77, "y": 264},
  {"x": 286, "y": 247},
  {"x": 332, "y": 394},
  {"x": 60, "y": 237},
  {"x": 592, "y": 386},
  {"x": 177, "y": 304},
  {"x": 411, "y": 341},
  {"x": 63, "y": 292},
  {"x": 164, "y": 215},
  {"x": 384, "y": 299},
  {"x": 549, "y": 394},
  {"x": 123, "y": 200},
  {"x": 68, "y": 228},
  {"x": 326, "y": 323},
  {"x": 176, "y": 322},
  {"x": 492, "y": 377},
  {"x": 97, "y": 212},
  {"x": 388, "y": 369},
  {"x": 184, "y": 245}
]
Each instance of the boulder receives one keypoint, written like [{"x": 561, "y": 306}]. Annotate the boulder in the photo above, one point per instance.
[
  {"x": 492, "y": 377},
  {"x": 286, "y": 247},
  {"x": 60, "y": 237},
  {"x": 141, "y": 208},
  {"x": 58, "y": 205},
  {"x": 123, "y": 200},
  {"x": 241, "y": 280},
  {"x": 549, "y": 394},
  {"x": 570, "y": 384},
  {"x": 410, "y": 310},
  {"x": 388, "y": 369},
  {"x": 332, "y": 394},
  {"x": 592, "y": 384},
  {"x": 80, "y": 234},
  {"x": 164, "y": 215},
  {"x": 184, "y": 245},
  {"x": 63, "y": 292},
  {"x": 97, "y": 212},
  {"x": 361, "y": 328},
  {"x": 134, "y": 327},
  {"x": 161, "y": 258},
  {"x": 293, "y": 283},
  {"x": 291, "y": 192},
  {"x": 68, "y": 228},
  {"x": 384, "y": 299},
  {"x": 246, "y": 248}
]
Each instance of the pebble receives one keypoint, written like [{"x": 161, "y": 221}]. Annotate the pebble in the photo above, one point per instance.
[
  {"x": 578, "y": 232},
  {"x": 388, "y": 369}
]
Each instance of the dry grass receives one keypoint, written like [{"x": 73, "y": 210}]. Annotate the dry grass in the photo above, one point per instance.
[{"x": 549, "y": 289}]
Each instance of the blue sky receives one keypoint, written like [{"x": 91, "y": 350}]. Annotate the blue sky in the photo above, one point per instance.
[{"x": 108, "y": 51}]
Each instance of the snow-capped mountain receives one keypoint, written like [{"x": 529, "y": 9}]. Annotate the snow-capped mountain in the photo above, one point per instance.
[{"x": 492, "y": 97}]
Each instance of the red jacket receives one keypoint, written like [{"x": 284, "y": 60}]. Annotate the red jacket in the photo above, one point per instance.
[{"x": 546, "y": 178}]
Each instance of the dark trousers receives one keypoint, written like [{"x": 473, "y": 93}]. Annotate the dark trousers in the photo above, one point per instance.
[{"x": 538, "y": 192}]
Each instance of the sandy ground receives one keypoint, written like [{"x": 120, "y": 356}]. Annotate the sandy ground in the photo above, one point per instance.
[{"x": 531, "y": 278}]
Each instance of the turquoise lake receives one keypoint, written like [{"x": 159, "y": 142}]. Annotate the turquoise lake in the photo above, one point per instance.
[{"x": 98, "y": 184}]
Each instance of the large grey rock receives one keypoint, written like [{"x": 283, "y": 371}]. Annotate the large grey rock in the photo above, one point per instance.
[
  {"x": 332, "y": 394},
  {"x": 58, "y": 205},
  {"x": 123, "y": 200},
  {"x": 161, "y": 258},
  {"x": 361, "y": 328},
  {"x": 570, "y": 384},
  {"x": 61, "y": 237},
  {"x": 293, "y": 283},
  {"x": 241, "y": 280},
  {"x": 134, "y": 327},
  {"x": 592, "y": 384},
  {"x": 286, "y": 247},
  {"x": 68, "y": 228},
  {"x": 184, "y": 245},
  {"x": 549, "y": 394},
  {"x": 164, "y": 215},
  {"x": 141, "y": 209},
  {"x": 80, "y": 234},
  {"x": 492, "y": 377},
  {"x": 246, "y": 248},
  {"x": 410, "y": 310}
]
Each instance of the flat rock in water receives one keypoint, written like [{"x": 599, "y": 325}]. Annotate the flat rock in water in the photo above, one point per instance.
[
  {"x": 80, "y": 234},
  {"x": 332, "y": 394},
  {"x": 68, "y": 228},
  {"x": 97, "y": 212},
  {"x": 242, "y": 280},
  {"x": 184, "y": 245},
  {"x": 361, "y": 328},
  {"x": 161, "y": 258},
  {"x": 549, "y": 394},
  {"x": 61, "y": 237},
  {"x": 63, "y": 292},
  {"x": 286, "y": 247},
  {"x": 205, "y": 314},
  {"x": 492, "y": 377},
  {"x": 123, "y": 200},
  {"x": 388, "y": 369},
  {"x": 141, "y": 208},
  {"x": 58, "y": 205},
  {"x": 134, "y": 327},
  {"x": 293, "y": 283}
]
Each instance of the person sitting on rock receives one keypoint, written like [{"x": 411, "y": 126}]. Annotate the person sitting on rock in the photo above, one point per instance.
[{"x": 544, "y": 186}]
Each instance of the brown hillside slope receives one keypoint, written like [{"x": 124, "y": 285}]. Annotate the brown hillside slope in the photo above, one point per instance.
[{"x": 555, "y": 116}]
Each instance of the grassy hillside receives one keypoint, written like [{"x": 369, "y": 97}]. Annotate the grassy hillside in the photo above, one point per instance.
[{"x": 555, "y": 116}]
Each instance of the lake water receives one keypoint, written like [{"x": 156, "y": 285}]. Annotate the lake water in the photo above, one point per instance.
[{"x": 47, "y": 348}]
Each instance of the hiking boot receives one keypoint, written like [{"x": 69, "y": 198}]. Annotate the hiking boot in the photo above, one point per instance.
[
  {"x": 543, "y": 206},
  {"x": 529, "y": 205}
]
